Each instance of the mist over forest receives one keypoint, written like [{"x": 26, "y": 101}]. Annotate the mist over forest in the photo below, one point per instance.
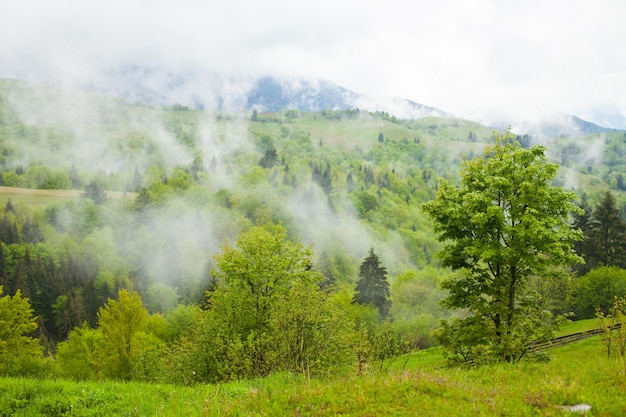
[{"x": 102, "y": 193}]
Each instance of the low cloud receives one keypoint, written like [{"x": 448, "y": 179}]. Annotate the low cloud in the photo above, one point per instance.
[{"x": 483, "y": 61}]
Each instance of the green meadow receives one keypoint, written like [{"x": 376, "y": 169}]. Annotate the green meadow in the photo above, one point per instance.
[{"x": 419, "y": 385}]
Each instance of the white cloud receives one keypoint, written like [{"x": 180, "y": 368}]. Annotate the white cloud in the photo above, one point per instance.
[{"x": 477, "y": 59}]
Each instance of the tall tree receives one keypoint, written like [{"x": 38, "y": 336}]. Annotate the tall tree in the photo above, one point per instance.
[
  {"x": 257, "y": 274},
  {"x": 504, "y": 224},
  {"x": 372, "y": 287},
  {"x": 120, "y": 323},
  {"x": 269, "y": 159},
  {"x": 17, "y": 347},
  {"x": 95, "y": 191},
  {"x": 326, "y": 269},
  {"x": 267, "y": 313},
  {"x": 582, "y": 221},
  {"x": 607, "y": 236}
]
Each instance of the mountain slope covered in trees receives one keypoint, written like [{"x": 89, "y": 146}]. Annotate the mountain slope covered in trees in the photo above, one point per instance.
[{"x": 164, "y": 189}]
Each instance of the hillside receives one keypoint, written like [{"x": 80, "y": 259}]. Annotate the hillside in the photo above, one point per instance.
[
  {"x": 342, "y": 180},
  {"x": 170, "y": 187}
]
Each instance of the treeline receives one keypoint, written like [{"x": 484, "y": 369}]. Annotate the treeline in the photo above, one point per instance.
[
  {"x": 70, "y": 257},
  {"x": 265, "y": 311}
]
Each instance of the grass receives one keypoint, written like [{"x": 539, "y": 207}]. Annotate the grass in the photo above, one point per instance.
[
  {"x": 579, "y": 373},
  {"x": 578, "y": 326},
  {"x": 41, "y": 198}
]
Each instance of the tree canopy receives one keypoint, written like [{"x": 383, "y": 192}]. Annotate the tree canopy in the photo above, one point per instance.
[
  {"x": 505, "y": 223},
  {"x": 606, "y": 238},
  {"x": 267, "y": 313}
]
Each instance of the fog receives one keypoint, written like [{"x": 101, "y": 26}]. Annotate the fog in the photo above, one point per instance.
[{"x": 485, "y": 61}]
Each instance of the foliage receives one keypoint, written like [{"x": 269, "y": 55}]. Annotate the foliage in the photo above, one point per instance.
[
  {"x": 613, "y": 331},
  {"x": 267, "y": 314},
  {"x": 80, "y": 356},
  {"x": 605, "y": 239},
  {"x": 597, "y": 290},
  {"x": 315, "y": 336},
  {"x": 128, "y": 344},
  {"x": 18, "y": 349},
  {"x": 121, "y": 323},
  {"x": 199, "y": 183},
  {"x": 504, "y": 224},
  {"x": 582, "y": 220},
  {"x": 372, "y": 287}
]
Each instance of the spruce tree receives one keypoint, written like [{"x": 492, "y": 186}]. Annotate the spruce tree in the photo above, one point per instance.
[
  {"x": 95, "y": 191},
  {"x": 583, "y": 222},
  {"x": 325, "y": 268},
  {"x": 372, "y": 287},
  {"x": 607, "y": 237}
]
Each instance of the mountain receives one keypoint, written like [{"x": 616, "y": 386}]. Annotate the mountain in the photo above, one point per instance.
[
  {"x": 560, "y": 125},
  {"x": 213, "y": 91},
  {"x": 266, "y": 94},
  {"x": 273, "y": 94}
]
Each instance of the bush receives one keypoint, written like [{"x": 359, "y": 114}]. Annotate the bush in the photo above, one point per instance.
[{"x": 597, "y": 289}]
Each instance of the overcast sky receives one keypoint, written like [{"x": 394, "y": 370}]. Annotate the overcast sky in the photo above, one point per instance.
[{"x": 475, "y": 58}]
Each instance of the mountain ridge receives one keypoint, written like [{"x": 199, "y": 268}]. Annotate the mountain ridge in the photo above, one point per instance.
[{"x": 272, "y": 94}]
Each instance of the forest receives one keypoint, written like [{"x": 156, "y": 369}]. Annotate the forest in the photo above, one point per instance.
[{"x": 166, "y": 244}]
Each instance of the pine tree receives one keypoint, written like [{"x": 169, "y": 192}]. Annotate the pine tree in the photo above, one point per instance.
[
  {"x": 270, "y": 158},
  {"x": 95, "y": 191},
  {"x": 325, "y": 268},
  {"x": 607, "y": 237},
  {"x": 137, "y": 180},
  {"x": 349, "y": 183},
  {"x": 372, "y": 287},
  {"x": 582, "y": 222}
]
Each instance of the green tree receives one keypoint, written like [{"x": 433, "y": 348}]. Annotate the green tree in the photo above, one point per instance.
[
  {"x": 137, "y": 180},
  {"x": 269, "y": 159},
  {"x": 504, "y": 224},
  {"x": 257, "y": 274},
  {"x": 372, "y": 287},
  {"x": 613, "y": 334},
  {"x": 95, "y": 191},
  {"x": 315, "y": 336},
  {"x": 18, "y": 349},
  {"x": 80, "y": 356},
  {"x": 326, "y": 269},
  {"x": 597, "y": 289},
  {"x": 267, "y": 314},
  {"x": 607, "y": 236},
  {"x": 583, "y": 222},
  {"x": 120, "y": 323}
]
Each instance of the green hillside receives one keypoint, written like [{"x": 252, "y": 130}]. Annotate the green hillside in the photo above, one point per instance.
[
  {"x": 344, "y": 181},
  {"x": 109, "y": 204}
]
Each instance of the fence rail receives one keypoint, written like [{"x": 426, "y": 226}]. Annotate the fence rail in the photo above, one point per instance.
[{"x": 569, "y": 339}]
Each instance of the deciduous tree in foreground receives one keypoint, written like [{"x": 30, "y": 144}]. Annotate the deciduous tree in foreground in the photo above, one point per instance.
[
  {"x": 504, "y": 224},
  {"x": 267, "y": 314},
  {"x": 17, "y": 348}
]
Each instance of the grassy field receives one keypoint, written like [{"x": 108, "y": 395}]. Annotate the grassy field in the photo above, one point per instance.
[
  {"x": 578, "y": 326},
  {"x": 41, "y": 198},
  {"x": 577, "y": 374}
]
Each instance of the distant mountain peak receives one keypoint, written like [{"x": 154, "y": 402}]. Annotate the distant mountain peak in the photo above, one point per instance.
[
  {"x": 273, "y": 94},
  {"x": 560, "y": 125},
  {"x": 230, "y": 93}
]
